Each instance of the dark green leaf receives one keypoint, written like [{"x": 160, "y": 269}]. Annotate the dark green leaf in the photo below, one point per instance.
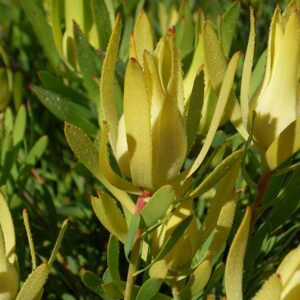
[
  {"x": 149, "y": 289},
  {"x": 228, "y": 26},
  {"x": 195, "y": 108},
  {"x": 42, "y": 29},
  {"x": 66, "y": 110},
  {"x": 103, "y": 23},
  {"x": 132, "y": 234},
  {"x": 113, "y": 260},
  {"x": 93, "y": 282},
  {"x": 89, "y": 63}
]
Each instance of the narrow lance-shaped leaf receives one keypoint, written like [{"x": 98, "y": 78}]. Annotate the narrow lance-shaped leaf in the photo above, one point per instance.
[
  {"x": 56, "y": 14},
  {"x": 194, "y": 109},
  {"x": 102, "y": 20},
  {"x": 107, "y": 212},
  {"x": 218, "y": 173},
  {"x": 228, "y": 26},
  {"x": 247, "y": 69},
  {"x": 7, "y": 228},
  {"x": 20, "y": 126},
  {"x": 34, "y": 283},
  {"x": 89, "y": 63},
  {"x": 66, "y": 110},
  {"x": 143, "y": 37},
  {"x": 87, "y": 153},
  {"x": 235, "y": 260},
  {"x": 42, "y": 29},
  {"x": 113, "y": 260},
  {"x": 107, "y": 85}
]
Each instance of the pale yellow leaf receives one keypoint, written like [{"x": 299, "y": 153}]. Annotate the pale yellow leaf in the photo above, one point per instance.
[
  {"x": 108, "y": 107},
  {"x": 34, "y": 283},
  {"x": 110, "y": 215},
  {"x": 143, "y": 37},
  {"x": 7, "y": 226},
  {"x": 235, "y": 260},
  {"x": 247, "y": 69},
  {"x": 87, "y": 154}
]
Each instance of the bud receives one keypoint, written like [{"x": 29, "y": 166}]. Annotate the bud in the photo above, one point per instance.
[
  {"x": 284, "y": 284},
  {"x": 277, "y": 103}
]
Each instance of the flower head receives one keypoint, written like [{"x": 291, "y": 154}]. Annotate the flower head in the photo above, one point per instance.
[{"x": 277, "y": 103}]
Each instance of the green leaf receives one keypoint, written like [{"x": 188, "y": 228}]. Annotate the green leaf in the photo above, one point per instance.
[
  {"x": 53, "y": 83},
  {"x": 158, "y": 205},
  {"x": 34, "y": 283},
  {"x": 87, "y": 153},
  {"x": 18, "y": 89},
  {"x": 42, "y": 29},
  {"x": 113, "y": 260},
  {"x": 194, "y": 110},
  {"x": 132, "y": 234},
  {"x": 149, "y": 289},
  {"x": 66, "y": 110},
  {"x": 89, "y": 63},
  {"x": 217, "y": 174},
  {"x": 228, "y": 26},
  {"x": 58, "y": 242},
  {"x": 93, "y": 282},
  {"x": 56, "y": 13},
  {"x": 185, "y": 30},
  {"x": 174, "y": 237},
  {"x": 235, "y": 260},
  {"x": 37, "y": 151},
  {"x": 214, "y": 57},
  {"x": 103, "y": 21},
  {"x": 108, "y": 212},
  {"x": 20, "y": 126}
]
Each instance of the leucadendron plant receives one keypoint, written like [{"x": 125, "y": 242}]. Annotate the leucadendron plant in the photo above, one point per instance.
[
  {"x": 32, "y": 288},
  {"x": 150, "y": 141}
]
